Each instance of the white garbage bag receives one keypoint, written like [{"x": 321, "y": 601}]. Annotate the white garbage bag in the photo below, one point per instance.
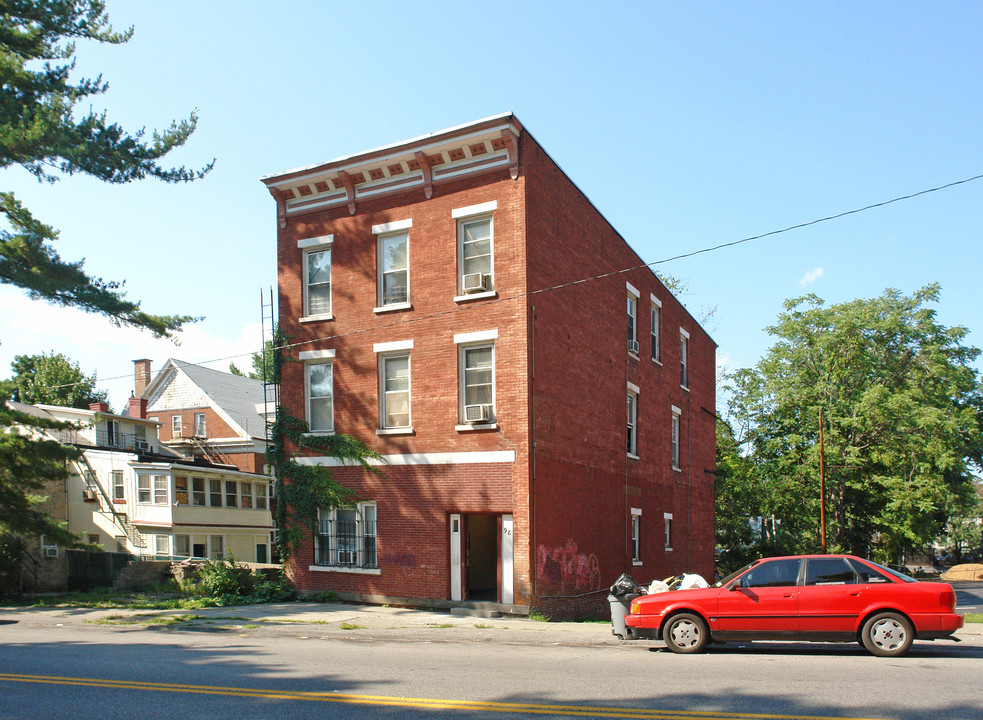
[
  {"x": 658, "y": 586},
  {"x": 692, "y": 580}
]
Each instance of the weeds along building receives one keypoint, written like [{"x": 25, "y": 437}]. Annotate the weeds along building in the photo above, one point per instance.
[{"x": 544, "y": 405}]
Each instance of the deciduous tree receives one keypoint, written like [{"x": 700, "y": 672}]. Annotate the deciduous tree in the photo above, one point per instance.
[{"x": 53, "y": 379}]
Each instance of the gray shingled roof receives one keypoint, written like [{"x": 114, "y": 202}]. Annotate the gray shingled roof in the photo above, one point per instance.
[{"x": 236, "y": 395}]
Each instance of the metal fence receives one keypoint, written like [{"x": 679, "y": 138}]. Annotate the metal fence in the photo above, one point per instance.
[{"x": 88, "y": 570}]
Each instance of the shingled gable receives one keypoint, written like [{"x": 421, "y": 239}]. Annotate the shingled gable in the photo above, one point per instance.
[{"x": 235, "y": 398}]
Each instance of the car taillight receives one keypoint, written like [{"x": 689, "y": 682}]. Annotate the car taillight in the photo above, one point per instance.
[{"x": 948, "y": 599}]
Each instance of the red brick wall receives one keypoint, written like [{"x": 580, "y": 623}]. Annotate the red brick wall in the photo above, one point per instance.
[
  {"x": 585, "y": 483},
  {"x": 431, "y": 323}
]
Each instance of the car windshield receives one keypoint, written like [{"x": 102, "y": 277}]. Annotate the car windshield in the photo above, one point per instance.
[
  {"x": 893, "y": 573},
  {"x": 724, "y": 581}
]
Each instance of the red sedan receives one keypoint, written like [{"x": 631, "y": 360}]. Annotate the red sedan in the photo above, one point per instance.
[{"x": 825, "y": 598}]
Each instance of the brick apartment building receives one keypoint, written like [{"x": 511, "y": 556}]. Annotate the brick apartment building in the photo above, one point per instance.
[{"x": 547, "y": 416}]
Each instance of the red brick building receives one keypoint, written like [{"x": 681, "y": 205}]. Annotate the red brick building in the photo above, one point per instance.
[{"x": 544, "y": 404}]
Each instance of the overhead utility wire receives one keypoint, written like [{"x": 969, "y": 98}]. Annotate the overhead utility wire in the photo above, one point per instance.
[{"x": 682, "y": 256}]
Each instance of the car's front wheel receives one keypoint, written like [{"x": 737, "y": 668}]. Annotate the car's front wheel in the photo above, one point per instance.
[
  {"x": 887, "y": 634},
  {"x": 686, "y": 633}
]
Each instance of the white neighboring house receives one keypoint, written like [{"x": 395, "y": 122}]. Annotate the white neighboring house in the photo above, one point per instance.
[
  {"x": 205, "y": 413},
  {"x": 129, "y": 494}
]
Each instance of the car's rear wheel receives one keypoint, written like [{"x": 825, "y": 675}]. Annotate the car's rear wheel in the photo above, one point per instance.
[
  {"x": 887, "y": 634},
  {"x": 686, "y": 633}
]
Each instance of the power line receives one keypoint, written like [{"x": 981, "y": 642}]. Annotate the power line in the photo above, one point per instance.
[{"x": 601, "y": 276}]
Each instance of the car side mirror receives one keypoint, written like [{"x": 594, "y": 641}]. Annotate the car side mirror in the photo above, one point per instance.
[{"x": 737, "y": 585}]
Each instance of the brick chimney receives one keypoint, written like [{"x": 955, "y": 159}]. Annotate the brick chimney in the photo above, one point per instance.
[
  {"x": 99, "y": 407},
  {"x": 138, "y": 407},
  {"x": 141, "y": 378}
]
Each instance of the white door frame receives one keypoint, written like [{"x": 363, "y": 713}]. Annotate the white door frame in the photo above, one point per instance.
[
  {"x": 508, "y": 570},
  {"x": 455, "y": 528}
]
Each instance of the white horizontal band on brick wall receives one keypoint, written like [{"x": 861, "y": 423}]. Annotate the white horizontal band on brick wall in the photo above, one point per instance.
[
  {"x": 315, "y": 241},
  {"x": 392, "y": 226},
  {"x": 474, "y": 209},
  {"x": 316, "y": 354},
  {"x": 460, "y": 458},
  {"x": 391, "y": 346},
  {"x": 479, "y": 336}
]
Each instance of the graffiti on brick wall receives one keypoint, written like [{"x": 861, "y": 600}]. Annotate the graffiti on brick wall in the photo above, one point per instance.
[
  {"x": 565, "y": 566},
  {"x": 403, "y": 559}
]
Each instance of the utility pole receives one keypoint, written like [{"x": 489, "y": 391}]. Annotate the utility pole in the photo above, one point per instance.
[{"x": 822, "y": 482}]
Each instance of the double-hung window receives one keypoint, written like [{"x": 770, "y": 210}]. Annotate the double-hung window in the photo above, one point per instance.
[
  {"x": 200, "y": 425},
  {"x": 683, "y": 358},
  {"x": 394, "y": 264},
  {"x": 347, "y": 537},
  {"x": 162, "y": 546},
  {"x": 656, "y": 322},
  {"x": 181, "y": 495},
  {"x": 476, "y": 359},
  {"x": 317, "y": 276},
  {"x": 175, "y": 426},
  {"x": 395, "y": 391},
  {"x": 118, "y": 488},
  {"x": 667, "y": 520},
  {"x": 319, "y": 389},
  {"x": 632, "y": 418},
  {"x": 475, "y": 249},
  {"x": 676, "y": 413},
  {"x": 636, "y": 536},
  {"x": 632, "y": 319}
]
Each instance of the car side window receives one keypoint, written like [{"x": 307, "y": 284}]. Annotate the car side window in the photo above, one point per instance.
[
  {"x": 773, "y": 573},
  {"x": 829, "y": 571},
  {"x": 867, "y": 574}
]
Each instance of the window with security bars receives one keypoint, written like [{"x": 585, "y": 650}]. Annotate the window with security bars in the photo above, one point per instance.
[{"x": 347, "y": 538}]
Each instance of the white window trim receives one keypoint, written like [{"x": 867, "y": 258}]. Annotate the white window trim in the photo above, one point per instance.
[
  {"x": 394, "y": 346},
  {"x": 633, "y": 392},
  {"x": 401, "y": 429},
  {"x": 316, "y": 355},
  {"x": 656, "y": 330},
  {"x": 636, "y": 516},
  {"x": 319, "y": 360},
  {"x": 668, "y": 516},
  {"x": 477, "y": 340},
  {"x": 472, "y": 210},
  {"x": 310, "y": 245},
  {"x": 676, "y": 433},
  {"x": 684, "y": 342},
  {"x": 633, "y": 302},
  {"x": 632, "y": 290},
  {"x": 463, "y": 216},
  {"x": 381, "y": 232},
  {"x": 476, "y": 337},
  {"x": 352, "y": 570}
]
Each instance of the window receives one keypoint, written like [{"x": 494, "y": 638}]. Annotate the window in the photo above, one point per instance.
[
  {"x": 867, "y": 574},
  {"x": 162, "y": 545},
  {"x": 181, "y": 495},
  {"x": 317, "y": 282},
  {"x": 93, "y": 539},
  {"x": 231, "y": 494},
  {"x": 636, "y": 536},
  {"x": 395, "y": 379},
  {"x": 143, "y": 488},
  {"x": 320, "y": 397},
  {"x": 160, "y": 489},
  {"x": 475, "y": 256},
  {"x": 347, "y": 537},
  {"x": 182, "y": 545},
  {"x": 112, "y": 433},
  {"x": 48, "y": 548},
  {"x": 246, "y": 492},
  {"x": 829, "y": 571},
  {"x": 477, "y": 383},
  {"x": 198, "y": 491},
  {"x": 675, "y": 438},
  {"x": 632, "y": 432},
  {"x": 199, "y": 424},
  {"x": 262, "y": 490},
  {"x": 773, "y": 573},
  {"x": 632, "y": 324},
  {"x": 683, "y": 358},
  {"x": 175, "y": 426},
  {"x": 215, "y": 493},
  {"x": 656, "y": 322},
  {"x": 118, "y": 491},
  {"x": 216, "y": 547},
  {"x": 394, "y": 268},
  {"x": 667, "y": 526}
]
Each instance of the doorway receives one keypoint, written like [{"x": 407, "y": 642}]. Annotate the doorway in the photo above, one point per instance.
[{"x": 481, "y": 557}]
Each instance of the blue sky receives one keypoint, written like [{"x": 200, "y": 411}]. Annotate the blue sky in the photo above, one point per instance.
[{"x": 687, "y": 124}]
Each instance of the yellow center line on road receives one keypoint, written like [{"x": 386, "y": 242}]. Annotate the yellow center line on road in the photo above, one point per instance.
[{"x": 409, "y": 702}]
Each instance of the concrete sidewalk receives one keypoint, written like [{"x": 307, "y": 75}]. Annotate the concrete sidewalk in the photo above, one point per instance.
[{"x": 342, "y": 620}]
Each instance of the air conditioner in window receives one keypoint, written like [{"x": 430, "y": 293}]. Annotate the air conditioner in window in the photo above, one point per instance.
[
  {"x": 51, "y": 551},
  {"x": 89, "y": 494},
  {"x": 476, "y": 282},
  {"x": 477, "y": 413},
  {"x": 141, "y": 445},
  {"x": 633, "y": 346}
]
